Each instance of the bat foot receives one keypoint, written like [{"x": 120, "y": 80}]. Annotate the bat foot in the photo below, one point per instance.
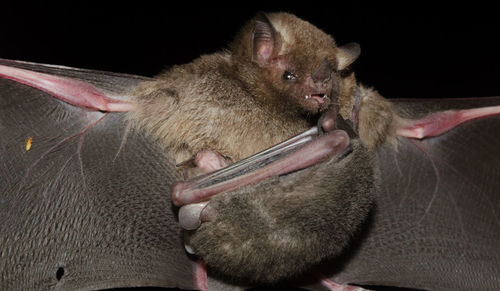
[
  {"x": 209, "y": 161},
  {"x": 203, "y": 162},
  {"x": 331, "y": 285}
]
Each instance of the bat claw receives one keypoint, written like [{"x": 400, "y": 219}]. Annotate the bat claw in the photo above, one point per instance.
[{"x": 187, "y": 246}]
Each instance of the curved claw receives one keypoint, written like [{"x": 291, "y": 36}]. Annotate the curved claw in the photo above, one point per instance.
[{"x": 187, "y": 246}]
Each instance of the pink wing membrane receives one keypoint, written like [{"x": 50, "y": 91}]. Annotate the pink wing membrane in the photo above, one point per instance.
[
  {"x": 72, "y": 91},
  {"x": 440, "y": 122}
]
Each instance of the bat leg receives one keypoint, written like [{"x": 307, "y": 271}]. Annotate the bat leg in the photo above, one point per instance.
[
  {"x": 72, "y": 91},
  {"x": 200, "y": 275},
  {"x": 440, "y": 122}
]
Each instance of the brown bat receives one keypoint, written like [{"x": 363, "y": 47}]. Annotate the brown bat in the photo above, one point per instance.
[
  {"x": 249, "y": 98},
  {"x": 278, "y": 73},
  {"x": 76, "y": 195}
]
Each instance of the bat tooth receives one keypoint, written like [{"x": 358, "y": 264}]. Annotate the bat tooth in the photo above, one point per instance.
[{"x": 308, "y": 96}]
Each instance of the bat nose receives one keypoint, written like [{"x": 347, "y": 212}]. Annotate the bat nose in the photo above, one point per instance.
[{"x": 323, "y": 74}]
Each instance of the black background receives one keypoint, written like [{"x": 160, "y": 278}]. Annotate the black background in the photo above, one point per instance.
[{"x": 408, "y": 50}]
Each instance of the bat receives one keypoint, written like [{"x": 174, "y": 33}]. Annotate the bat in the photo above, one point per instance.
[
  {"x": 85, "y": 136},
  {"x": 270, "y": 68}
]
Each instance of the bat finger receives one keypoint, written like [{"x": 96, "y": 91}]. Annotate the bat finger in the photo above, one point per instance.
[
  {"x": 333, "y": 144},
  {"x": 70, "y": 90},
  {"x": 192, "y": 215},
  {"x": 440, "y": 122},
  {"x": 327, "y": 120},
  {"x": 260, "y": 158}
]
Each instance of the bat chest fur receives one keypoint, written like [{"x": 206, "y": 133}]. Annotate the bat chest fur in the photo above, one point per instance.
[{"x": 194, "y": 117}]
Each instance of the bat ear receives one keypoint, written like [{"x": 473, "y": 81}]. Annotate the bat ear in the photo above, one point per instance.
[
  {"x": 347, "y": 55},
  {"x": 266, "y": 41}
]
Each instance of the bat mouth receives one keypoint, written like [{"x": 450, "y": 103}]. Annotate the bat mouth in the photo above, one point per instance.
[
  {"x": 317, "y": 100},
  {"x": 319, "y": 97}
]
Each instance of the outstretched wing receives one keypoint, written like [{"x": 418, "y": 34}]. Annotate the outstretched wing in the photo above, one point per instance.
[
  {"x": 85, "y": 204},
  {"x": 84, "y": 200},
  {"x": 436, "y": 224}
]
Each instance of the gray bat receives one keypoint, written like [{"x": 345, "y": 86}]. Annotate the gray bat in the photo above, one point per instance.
[{"x": 91, "y": 193}]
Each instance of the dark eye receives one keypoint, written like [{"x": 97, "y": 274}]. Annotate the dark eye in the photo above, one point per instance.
[{"x": 288, "y": 76}]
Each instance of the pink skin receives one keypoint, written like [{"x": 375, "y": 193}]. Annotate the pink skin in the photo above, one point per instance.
[
  {"x": 332, "y": 286},
  {"x": 431, "y": 125},
  {"x": 334, "y": 143},
  {"x": 72, "y": 91},
  {"x": 200, "y": 275},
  {"x": 316, "y": 97},
  {"x": 209, "y": 161},
  {"x": 192, "y": 215},
  {"x": 440, "y": 122}
]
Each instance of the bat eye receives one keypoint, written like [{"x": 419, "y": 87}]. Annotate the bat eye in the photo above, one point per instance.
[{"x": 288, "y": 76}]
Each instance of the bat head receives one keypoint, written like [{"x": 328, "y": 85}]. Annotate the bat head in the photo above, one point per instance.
[{"x": 293, "y": 62}]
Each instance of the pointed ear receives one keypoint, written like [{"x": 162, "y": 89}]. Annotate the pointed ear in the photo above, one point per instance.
[
  {"x": 266, "y": 41},
  {"x": 347, "y": 55}
]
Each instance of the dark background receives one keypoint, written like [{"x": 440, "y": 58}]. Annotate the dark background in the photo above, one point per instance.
[{"x": 408, "y": 50}]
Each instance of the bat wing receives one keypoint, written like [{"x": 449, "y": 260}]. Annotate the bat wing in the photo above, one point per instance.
[
  {"x": 84, "y": 200},
  {"x": 436, "y": 222}
]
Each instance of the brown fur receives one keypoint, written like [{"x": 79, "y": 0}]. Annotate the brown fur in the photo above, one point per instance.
[
  {"x": 228, "y": 103},
  {"x": 377, "y": 119},
  {"x": 236, "y": 103},
  {"x": 274, "y": 230}
]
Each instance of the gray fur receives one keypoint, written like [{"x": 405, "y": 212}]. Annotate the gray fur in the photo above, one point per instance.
[{"x": 275, "y": 230}]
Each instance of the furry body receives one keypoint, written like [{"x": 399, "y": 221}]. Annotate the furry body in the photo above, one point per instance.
[
  {"x": 278, "y": 75},
  {"x": 236, "y": 103}
]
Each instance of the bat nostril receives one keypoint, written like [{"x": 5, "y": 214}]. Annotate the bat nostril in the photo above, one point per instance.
[{"x": 323, "y": 73}]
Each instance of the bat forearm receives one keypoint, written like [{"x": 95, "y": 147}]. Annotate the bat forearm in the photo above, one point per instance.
[{"x": 252, "y": 227}]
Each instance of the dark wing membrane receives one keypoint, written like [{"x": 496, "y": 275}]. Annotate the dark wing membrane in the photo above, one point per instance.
[
  {"x": 436, "y": 224},
  {"x": 84, "y": 201}
]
